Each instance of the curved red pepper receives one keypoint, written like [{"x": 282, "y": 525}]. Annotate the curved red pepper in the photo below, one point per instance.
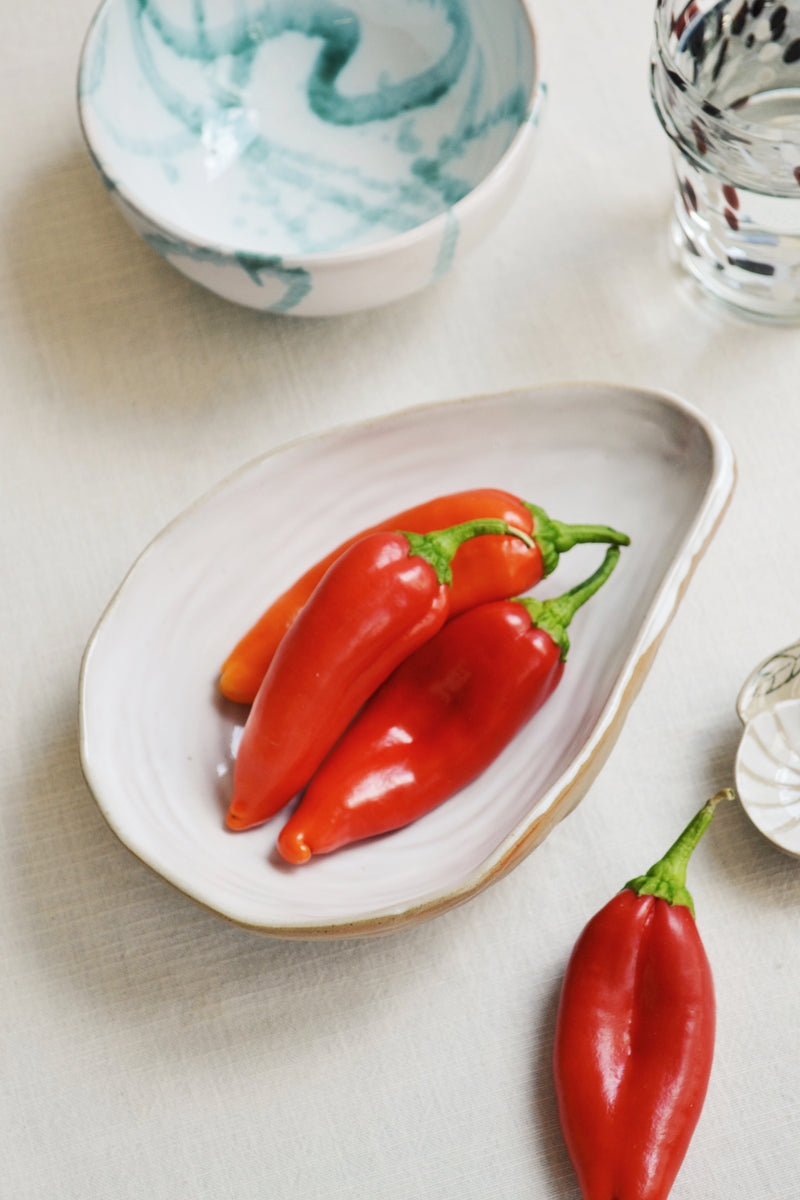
[
  {"x": 635, "y": 1033},
  {"x": 438, "y": 721},
  {"x": 492, "y": 568},
  {"x": 384, "y": 597}
]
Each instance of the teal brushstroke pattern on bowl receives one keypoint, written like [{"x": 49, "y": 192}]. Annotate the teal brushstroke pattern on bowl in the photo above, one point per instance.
[{"x": 258, "y": 145}]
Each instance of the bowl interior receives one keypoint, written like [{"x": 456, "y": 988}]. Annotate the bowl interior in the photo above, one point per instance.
[{"x": 289, "y": 127}]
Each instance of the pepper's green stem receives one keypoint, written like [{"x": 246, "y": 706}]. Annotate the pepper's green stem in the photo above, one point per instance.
[
  {"x": 439, "y": 547},
  {"x": 554, "y": 537},
  {"x": 553, "y": 616},
  {"x": 667, "y": 878}
]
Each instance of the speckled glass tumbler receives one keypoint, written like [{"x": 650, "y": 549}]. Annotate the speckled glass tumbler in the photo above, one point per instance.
[{"x": 725, "y": 81}]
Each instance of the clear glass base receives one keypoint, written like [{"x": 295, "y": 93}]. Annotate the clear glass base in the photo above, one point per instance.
[{"x": 742, "y": 246}]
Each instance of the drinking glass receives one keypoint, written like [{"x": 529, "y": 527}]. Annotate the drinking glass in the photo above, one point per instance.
[{"x": 725, "y": 82}]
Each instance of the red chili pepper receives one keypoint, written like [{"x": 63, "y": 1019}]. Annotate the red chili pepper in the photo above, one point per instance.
[
  {"x": 635, "y": 1033},
  {"x": 384, "y": 597},
  {"x": 438, "y": 721},
  {"x": 492, "y": 568}
]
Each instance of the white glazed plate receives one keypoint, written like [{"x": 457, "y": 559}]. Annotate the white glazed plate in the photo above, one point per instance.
[{"x": 157, "y": 739}]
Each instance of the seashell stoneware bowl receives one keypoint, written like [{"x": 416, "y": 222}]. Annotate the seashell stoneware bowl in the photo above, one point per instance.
[
  {"x": 311, "y": 157},
  {"x": 768, "y": 758}
]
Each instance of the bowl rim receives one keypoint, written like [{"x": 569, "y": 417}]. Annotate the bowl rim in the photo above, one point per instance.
[
  {"x": 383, "y": 247},
  {"x": 697, "y": 102}
]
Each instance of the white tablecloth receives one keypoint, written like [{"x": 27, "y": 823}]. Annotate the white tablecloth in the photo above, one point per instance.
[{"x": 148, "y": 1048}]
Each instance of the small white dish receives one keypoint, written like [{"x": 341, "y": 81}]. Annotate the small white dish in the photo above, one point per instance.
[
  {"x": 157, "y": 740},
  {"x": 306, "y": 156},
  {"x": 768, "y": 773},
  {"x": 768, "y": 758}
]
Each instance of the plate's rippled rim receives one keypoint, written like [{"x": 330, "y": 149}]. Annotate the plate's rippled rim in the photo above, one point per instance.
[{"x": 565, "y": 791}]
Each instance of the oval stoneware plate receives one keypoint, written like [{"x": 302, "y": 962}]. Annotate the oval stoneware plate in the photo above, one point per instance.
[{"x": 158, "y": 742}]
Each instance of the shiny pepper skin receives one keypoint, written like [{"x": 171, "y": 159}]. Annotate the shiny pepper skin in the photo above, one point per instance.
[
  {"x": 634, "y": 1038},
  {"x": 428, "y": 731},
  {"x": 491, "y": 568},
  {"x": 438, "y": 721},
  {"x": 376, "y": 604}
]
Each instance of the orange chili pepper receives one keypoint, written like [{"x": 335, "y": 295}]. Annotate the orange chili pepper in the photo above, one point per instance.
[{"x": 489, "y": 568}]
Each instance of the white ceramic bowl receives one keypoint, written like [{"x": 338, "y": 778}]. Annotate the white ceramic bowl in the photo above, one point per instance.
[
  {"x": 158, "y": 742},
  {"x": 311, "y": 156}
]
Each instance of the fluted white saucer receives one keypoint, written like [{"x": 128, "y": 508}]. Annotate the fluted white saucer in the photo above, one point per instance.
[{"x": 768, "y": 758}]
